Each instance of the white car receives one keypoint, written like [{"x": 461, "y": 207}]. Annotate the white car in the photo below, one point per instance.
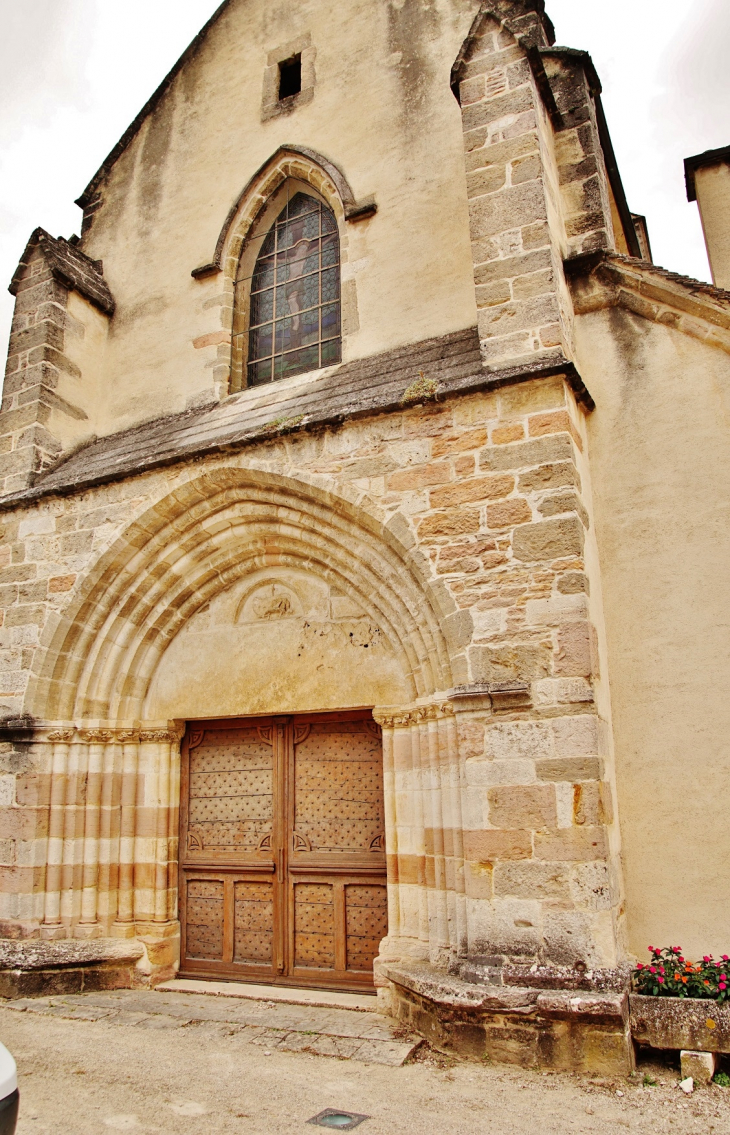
[{"x": 9, "y": 1097}]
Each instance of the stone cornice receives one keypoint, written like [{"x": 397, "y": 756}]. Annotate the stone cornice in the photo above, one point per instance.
[{"x": 600, "y": 280}]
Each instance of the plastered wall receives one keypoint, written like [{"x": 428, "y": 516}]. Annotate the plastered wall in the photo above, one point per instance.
[
  {"x": 381, "y": 109},
  {"x": 661, "y": 487}
]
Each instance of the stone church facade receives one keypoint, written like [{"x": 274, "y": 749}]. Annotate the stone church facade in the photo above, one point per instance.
[{"x": 364, "y": 541}]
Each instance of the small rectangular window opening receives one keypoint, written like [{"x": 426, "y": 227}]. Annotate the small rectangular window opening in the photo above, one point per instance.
[{"x": 290, "y": 77}]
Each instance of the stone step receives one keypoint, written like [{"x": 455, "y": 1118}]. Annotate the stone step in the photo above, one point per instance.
[
  {"x": 282, "y": 994},
  {"x": 329, "y": 1030}
]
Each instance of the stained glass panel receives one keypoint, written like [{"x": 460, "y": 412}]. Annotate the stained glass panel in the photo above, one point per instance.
[{"x": 301, "y": 256}]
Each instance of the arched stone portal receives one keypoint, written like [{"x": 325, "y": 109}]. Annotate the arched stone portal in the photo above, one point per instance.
[{"x": 240, "y": 594}]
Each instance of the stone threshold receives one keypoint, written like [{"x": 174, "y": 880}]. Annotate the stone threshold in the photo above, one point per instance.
[{"x": 281, "y": 994}]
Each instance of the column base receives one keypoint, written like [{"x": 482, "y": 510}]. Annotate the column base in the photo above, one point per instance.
[
  {"x": 123, "y": 930},
  {"x": 87, "y": 931},
  {"x": 53, "y": 933}
]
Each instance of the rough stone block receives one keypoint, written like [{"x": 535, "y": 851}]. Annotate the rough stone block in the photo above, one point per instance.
[
  {"x": 549, "y": 540},
  {"x": 503, "y": 663},
  {"x": 701, "y": 1066},
  {"x": 508, "y": 513},
  {"x": 523, "y": 806},
  {"x": 489, "y": 845},
  {"x": 547, "y": 450},
  {"x": 571, "y": 845}
]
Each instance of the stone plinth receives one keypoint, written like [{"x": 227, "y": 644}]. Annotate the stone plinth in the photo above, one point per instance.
[
  {"x": 37, "y": 968},
  {"x": 556, "y": 1029}
]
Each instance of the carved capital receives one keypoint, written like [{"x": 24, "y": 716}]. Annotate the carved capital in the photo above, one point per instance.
[
  {"x": 64, "y": 735},
  {"x": 156, "y": 736},
  {"x": 416, "y": 715},
  {"x": 128, "y": 736},
  {"x": 96, "y": 736}
]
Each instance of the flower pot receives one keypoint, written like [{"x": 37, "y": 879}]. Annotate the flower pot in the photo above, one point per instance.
[{"x": 680, "y": 1023}]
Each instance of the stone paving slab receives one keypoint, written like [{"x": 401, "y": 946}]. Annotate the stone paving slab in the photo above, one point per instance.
[
  {"x": 363, "y": 1002},
  {"x": 342, "y": 1033}
]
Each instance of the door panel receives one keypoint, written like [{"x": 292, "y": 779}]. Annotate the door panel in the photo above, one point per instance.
[
  {"x": 254, "y": 923},
  {"x": 282, "y": 873}
]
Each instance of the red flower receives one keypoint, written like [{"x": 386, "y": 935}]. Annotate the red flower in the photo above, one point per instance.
[
  {"x": 660, "y": 980},
  {"x": 677, "y": 950},
  {"x": 639, "y": 966},
  {"x": 651, "y": 949},
  {"x": 652, "y": 969}
]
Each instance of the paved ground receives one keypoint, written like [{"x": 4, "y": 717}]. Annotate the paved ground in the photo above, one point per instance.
[{"x": 98, "y": 1063}]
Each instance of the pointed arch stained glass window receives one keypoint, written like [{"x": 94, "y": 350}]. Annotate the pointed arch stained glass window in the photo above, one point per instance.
[{"x": 295, "y": 294}]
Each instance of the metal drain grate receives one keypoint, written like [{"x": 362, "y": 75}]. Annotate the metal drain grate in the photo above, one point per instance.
[{"x": 337, "y": 1120}]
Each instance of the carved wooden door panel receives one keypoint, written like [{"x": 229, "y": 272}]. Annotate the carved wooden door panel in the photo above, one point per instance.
[{"x": 282, "y": 855}]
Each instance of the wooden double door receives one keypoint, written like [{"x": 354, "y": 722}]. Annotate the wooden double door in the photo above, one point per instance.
[{"x": 282, "y": 850}]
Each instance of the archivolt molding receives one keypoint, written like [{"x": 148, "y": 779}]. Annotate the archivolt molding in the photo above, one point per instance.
[
  {"x": 289, "y": 161},
  {"x": 100, "y": 656}
]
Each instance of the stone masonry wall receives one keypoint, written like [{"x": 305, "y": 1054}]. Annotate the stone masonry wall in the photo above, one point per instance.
[
  {"x": 489, "y": 491},
  {"x": 515, "y": 232}
]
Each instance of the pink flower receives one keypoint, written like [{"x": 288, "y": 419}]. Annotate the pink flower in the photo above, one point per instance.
[
  {"x": 676, "y": 949},
  {"x": 723, "y": 977},
  {"x": 640, "y": 966},
  {"x": 661, "y": 969},
  {"x": 707, "y": 958},
  {"x": 726, "y": 958},
  {"x": 660, "y": 980},
  {"x": 652, "y": 969},
  {"x": 651, "y": 949}
]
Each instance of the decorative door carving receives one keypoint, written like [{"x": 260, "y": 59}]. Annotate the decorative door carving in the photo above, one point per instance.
[{"x": 282, "y": 864}]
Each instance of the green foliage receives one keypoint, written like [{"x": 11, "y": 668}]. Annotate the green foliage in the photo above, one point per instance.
[
  {"x": 722, "y": 1079},
  {"x": 649, "y": 1081},
  {"x": 669, "y": 974},
  {"x": 279, "y": 425},
  {"x": 422, "y": 390}
]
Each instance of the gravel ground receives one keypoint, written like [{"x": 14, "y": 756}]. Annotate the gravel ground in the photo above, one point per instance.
[{"x": 81, "y": 1077}]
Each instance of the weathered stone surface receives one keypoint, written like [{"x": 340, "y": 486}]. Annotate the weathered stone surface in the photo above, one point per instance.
[
  {"x": 549, "y": 540},
  {"x": 36, "y": 954},
  {"x": 699, "y": 1066},
  {"x": 680, "y": 1023}
]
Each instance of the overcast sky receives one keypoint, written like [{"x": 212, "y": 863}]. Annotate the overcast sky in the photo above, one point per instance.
[{"x": 74, "y": 73}]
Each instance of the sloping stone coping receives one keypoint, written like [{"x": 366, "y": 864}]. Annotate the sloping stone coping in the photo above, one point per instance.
[
  {"x": 689, "y": 1024},
  {"x": 35, "y": 968},
  {"x": 568, "y": 1030},
  {"x": 35, "y": 954}
]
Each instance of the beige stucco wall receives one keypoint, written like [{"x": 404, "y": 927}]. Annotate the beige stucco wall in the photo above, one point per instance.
[
  {"x": 281, "y": 641},
  {"x": 382, "y": 110},
  {"x": 661, "y": 486},
  {"x": 713, "y": 197}
]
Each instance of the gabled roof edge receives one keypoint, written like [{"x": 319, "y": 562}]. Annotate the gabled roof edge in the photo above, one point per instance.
[
  {"x": 88, "y": 194},
  {"x": 72, "y": 267}
]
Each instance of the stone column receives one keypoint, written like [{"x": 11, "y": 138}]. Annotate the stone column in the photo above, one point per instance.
[
  {"x": 73, "y": 830},
  {"x": 88, "y": 926},
  {"x": 124, "y": 925},
  {"x": 415, "y": 749},
  {"x": 52, "y": 926}
]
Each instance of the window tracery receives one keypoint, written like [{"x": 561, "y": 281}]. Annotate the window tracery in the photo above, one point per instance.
[{"x": 294, "y": 306}]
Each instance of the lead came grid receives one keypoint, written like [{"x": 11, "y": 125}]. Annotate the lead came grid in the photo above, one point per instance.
[{"x": 295, "y": 294}]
